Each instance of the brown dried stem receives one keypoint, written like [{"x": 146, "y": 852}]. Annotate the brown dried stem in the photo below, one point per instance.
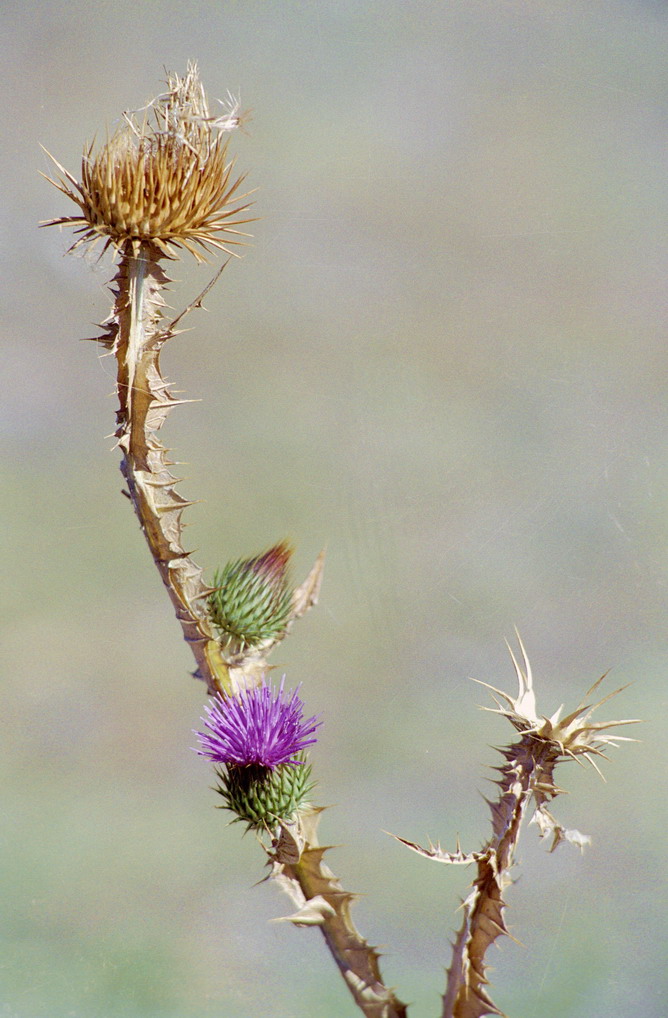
[
  {"x": 135, "y": 337},
  {"x": 296, "y": 861},
  {"x": 527, "y": 775}
]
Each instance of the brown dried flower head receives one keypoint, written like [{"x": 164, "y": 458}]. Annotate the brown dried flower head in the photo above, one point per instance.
[{"x": 166, "y": 180}]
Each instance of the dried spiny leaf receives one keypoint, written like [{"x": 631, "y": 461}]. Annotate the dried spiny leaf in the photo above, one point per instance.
[
  {"x": 437, "y": 854},
  {"x": 549, "y": 826},
  {"x": 572, "y": 736}
]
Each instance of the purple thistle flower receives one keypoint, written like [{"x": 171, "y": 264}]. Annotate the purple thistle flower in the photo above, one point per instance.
[{"x": 260, "y": 726}]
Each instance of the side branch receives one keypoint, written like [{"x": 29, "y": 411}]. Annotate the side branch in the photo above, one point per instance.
[
  {"x": 527, "y": 775},
  {"x": 466, "y": 995}
]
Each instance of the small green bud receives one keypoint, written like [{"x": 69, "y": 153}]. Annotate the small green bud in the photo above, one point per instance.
[
  {"x": 252, "y": 600},
  {"x": 260, "y": 796}
]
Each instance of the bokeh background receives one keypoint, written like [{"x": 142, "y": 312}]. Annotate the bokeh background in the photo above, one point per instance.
[{"x": 443, "y": 356}]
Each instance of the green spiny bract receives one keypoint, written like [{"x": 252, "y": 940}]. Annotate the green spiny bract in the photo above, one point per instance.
[
  {"x": 262, "y": 797},
  {"x": 252, "y": 600}
]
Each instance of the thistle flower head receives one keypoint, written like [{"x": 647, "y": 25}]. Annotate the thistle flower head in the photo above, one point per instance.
[
  {"x": 165, "y": 179},
  {"x": 252, "y": 600},
  {"x": 260, "y": 736},
  {"x": 260, "y": 728}
]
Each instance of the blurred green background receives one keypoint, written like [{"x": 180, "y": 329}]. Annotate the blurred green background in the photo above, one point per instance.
[{"x": 443, "y": 356}]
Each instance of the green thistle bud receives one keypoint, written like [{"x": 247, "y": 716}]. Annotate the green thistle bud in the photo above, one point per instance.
[
  {"x": 260, "y": 796},
  {"x": 252, "y": 600}
]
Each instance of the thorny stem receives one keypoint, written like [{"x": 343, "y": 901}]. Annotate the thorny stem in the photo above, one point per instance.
[
  {"x": 298, "y": 866},
  {"x": 136, "y": 339},
  {"x": 154, "y": 189},
  {"x": 530, "y": 765},
  {"x": 527, "y": 775},
  {"x": 136, "y": 334}
]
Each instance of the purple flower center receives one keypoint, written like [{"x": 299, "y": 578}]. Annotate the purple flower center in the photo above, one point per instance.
[{"x": 261, "y": 726}]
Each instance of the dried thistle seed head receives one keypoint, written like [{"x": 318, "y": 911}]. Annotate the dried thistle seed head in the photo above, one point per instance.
[{"x": 165, "y": 180}]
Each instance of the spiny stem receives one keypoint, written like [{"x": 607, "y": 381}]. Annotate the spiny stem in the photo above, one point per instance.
[
  {"x": 297, "y": 865},
  {"x": 530, "y": 764},
  {"x": 526, "y": 776},
  {"x": 136, "y": 338}
]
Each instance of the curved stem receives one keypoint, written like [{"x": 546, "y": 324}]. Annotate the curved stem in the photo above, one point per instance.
[{"x": 136, "y": 336}]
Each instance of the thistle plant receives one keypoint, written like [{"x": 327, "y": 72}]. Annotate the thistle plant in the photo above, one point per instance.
[{"x": 161, "y": 185}]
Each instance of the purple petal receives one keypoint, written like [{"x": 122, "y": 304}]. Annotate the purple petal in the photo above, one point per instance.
[{"x": 260, "y": 726}]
